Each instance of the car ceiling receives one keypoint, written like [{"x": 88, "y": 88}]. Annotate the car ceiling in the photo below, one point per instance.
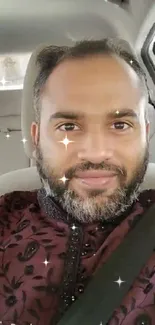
[{"x": 26, "y": 24}]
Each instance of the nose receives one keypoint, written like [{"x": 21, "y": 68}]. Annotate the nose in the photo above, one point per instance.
[{"x": 96, "y": 148}]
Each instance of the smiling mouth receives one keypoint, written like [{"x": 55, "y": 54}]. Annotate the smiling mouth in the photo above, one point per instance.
[{"x": 96, "y": 179}]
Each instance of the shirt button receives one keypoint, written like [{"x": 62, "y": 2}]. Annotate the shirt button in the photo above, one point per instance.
[{"x": 143, "y": 320}]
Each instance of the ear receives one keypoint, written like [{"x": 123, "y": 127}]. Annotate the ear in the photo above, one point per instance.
[{"x": 35, "y": 133}]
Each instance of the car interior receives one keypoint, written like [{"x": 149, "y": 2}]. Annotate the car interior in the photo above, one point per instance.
[{"x": 25, "y": 28}]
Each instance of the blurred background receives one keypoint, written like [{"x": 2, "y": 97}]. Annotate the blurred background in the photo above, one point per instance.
[{"x": 26, "y": 24}]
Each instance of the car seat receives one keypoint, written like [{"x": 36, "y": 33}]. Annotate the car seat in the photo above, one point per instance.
[{"x": 27, "y": 179}]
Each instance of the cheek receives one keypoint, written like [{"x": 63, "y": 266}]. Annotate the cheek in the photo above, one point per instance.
[
  {"x": 133, "y": 155},
  {"x": 56, "y": 154}
]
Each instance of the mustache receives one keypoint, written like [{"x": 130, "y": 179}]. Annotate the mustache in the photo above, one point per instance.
[
  {"x": 89, "y": 166},
  {"x": 120, "y": 171}
]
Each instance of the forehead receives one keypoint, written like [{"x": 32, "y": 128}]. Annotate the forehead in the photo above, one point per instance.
[{"x": 93, "y": 82}]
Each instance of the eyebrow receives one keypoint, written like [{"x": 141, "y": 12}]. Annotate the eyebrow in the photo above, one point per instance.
[
  {"x": 111, "y": 115},
  {"x": 123, "y": 113},
  {"x": 66, "y": 115}
]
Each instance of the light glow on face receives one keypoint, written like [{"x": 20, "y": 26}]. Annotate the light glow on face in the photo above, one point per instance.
[
  {"x": 66, "y": 141},
  {"x": 63, "y": 179}
]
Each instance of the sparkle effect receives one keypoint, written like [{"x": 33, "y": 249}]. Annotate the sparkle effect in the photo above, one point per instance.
[
  {"x": 24, "y": 140},
  {"x": 63, "y": 179},
  {"x": 8, "y": 135},
  {"x": 46, "y": 262},
  {"x": 66, "y": 141},
  {"x": 119, "y": 281},
  {"x": 73, "y": 227},
  {"x": 3, "y": 81}
]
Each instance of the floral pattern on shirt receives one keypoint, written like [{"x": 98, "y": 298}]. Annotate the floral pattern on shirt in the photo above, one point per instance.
[{"x": 46, "y": 263}]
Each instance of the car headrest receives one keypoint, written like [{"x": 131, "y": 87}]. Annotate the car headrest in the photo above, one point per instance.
[{"x": 27, "y": 111}]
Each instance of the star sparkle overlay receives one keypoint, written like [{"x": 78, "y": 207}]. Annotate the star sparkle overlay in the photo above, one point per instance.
[
  {"x": 63, "y": 179},
  {"x": 24, "y": 140},
  {"x": 46, "y": 262},
  {"x": 119, "y": 282},
  {"x": 66, "y": 142},
  {"x": 73, "y": 227}
]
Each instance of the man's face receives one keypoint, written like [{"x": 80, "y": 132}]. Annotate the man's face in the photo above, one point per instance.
[{"x": 98, "y": 104}]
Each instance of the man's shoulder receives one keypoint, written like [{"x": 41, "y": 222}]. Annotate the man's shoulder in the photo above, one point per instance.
[
  {"x": 147, "y": 197},
  {"x": 17, "y": 200}
]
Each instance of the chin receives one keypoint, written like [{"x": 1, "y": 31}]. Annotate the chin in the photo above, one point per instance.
[{"x": 94, "y": 194}]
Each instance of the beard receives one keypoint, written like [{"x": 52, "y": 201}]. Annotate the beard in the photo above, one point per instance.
[{"x": 94, "y": 207}]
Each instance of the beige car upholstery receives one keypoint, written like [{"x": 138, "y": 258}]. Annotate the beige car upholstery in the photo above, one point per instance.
[{"x": 27, "y": 179}]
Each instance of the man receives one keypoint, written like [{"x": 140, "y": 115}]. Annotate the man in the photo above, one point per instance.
[{"x": 91, "y": 137}]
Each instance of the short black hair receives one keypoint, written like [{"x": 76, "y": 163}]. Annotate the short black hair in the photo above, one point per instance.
[{"x": 51, "y": 56}]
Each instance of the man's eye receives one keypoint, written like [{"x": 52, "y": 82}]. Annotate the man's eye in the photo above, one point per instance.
[
  {"x": 121, "y": 126},
  {"x": 68, "y": 127}
]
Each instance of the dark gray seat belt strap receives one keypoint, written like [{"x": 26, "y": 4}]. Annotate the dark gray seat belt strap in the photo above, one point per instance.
[{"x": 102, "y": 295}]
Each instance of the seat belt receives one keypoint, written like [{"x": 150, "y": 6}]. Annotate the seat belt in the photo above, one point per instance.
[{"x": 102, "y": 295}]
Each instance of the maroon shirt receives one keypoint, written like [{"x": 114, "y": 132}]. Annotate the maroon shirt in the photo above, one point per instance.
[{"x": 47, "y": 259}]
